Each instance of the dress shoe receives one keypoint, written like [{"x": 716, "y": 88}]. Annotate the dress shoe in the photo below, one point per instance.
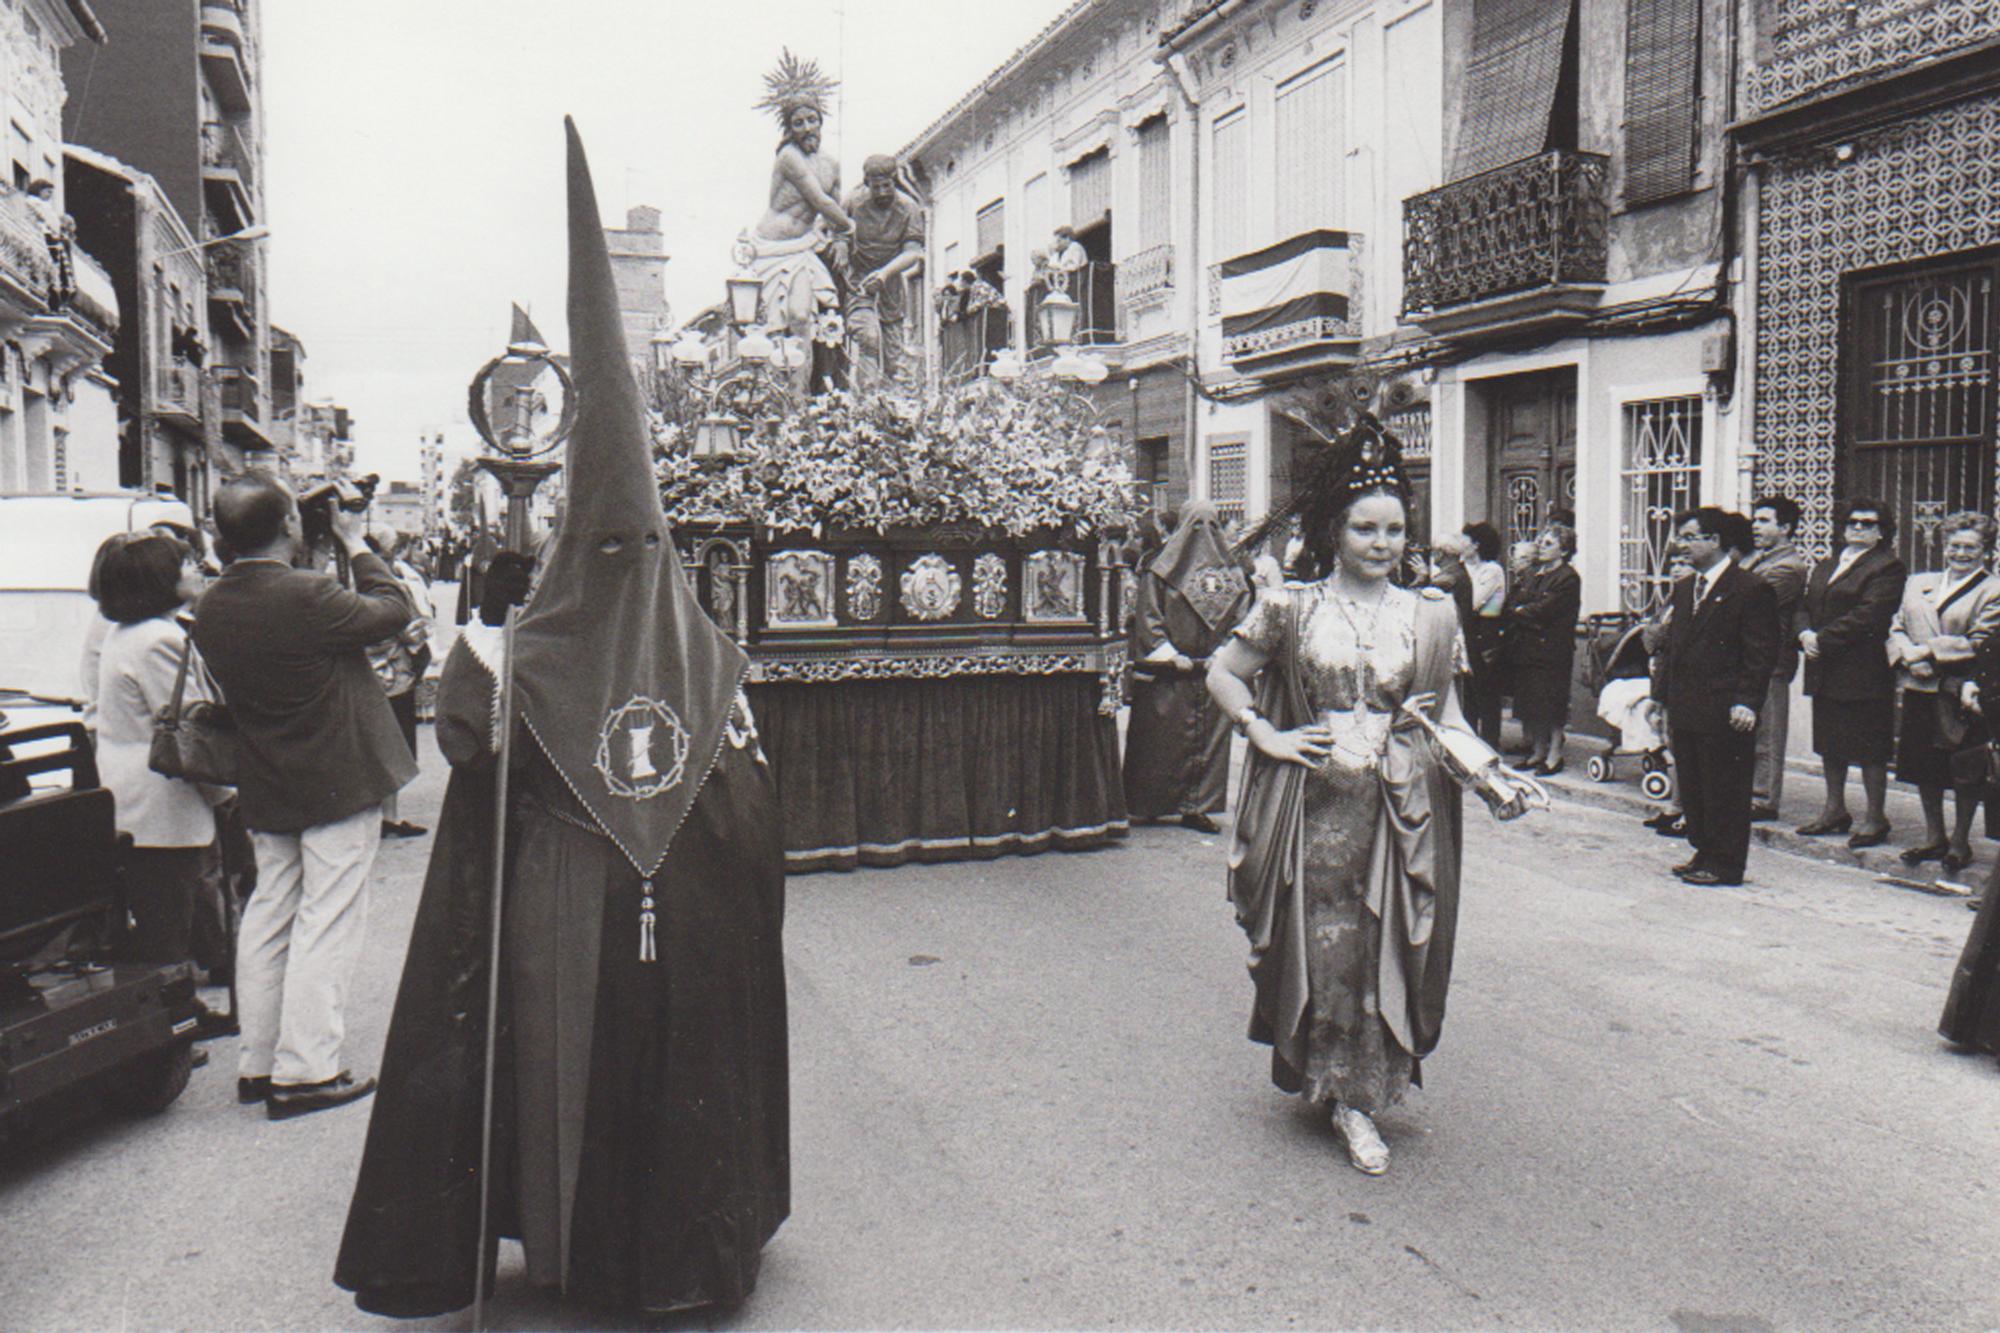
[
  {"x": 1549, "y": 769},
  {"x": 1822, "y": 826},
  {"x": 208, "y": 1025},
  {"x": 1200, "y": 822},
  {"x": 1711, "y": 879},
  {"x": 1954, "y": 862},
  {"x": 398, "y": 828},
  {"x": 1763, "y": 814},
  {"x": 249, "y": 1091},
  {"x": 1675, "y": 828},
  {"x": 1871, "y": 838},
  {"x": 1930, "y": 851},
  {"x": 290, "y": 1099},
  {"x": 1688, "y": 867},
  {"x": 1661, "y": 819}
]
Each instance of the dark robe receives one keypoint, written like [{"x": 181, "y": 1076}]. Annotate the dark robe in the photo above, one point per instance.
[
  {"x": 1176, "y": 740},
  {"x": 650, "y": 1173}
]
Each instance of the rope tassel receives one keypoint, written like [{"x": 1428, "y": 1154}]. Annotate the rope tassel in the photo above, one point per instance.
[{"x": 647, "y": 953}]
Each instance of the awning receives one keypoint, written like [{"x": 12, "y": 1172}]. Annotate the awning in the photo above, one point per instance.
[{"x": 1510, "y": 82}]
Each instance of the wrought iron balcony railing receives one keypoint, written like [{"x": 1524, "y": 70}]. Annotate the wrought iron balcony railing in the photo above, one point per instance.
[
  {"x": 1146, "y": 273},
  {"x": 1539, "y": 222}
]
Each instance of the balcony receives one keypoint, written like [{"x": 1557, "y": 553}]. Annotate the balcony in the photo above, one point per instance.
[
  {"x": 224, "y": 54},
  {"x": 228, "y": 177},
  {"x": 232, "y": 287},
  {"x": 242, "y": 409},
  {"x": 1146, "y": 275},
  {"x": 177, "y": 394},
  {"x": 1517, "y": 247},
  {"x": 1293, "y": 305},
  {"x": 27, "y": 274}
]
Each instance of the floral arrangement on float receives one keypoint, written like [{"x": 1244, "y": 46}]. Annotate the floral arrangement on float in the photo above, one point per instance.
[{"x": 1015, "y": 459}]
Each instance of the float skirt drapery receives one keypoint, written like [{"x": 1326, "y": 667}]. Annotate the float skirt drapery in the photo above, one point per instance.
[{"x": 880, "y": 773}]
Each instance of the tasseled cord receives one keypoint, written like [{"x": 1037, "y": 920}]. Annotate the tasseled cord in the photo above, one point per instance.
[{"x": 647, "y": 953}]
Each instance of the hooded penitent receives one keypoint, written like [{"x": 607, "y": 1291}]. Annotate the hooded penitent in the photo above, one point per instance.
[
  {"x": 640, "y": 1130},
  {"x": 624, "y": 683}
]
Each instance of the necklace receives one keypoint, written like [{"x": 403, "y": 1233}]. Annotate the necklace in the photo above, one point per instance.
[{"x": 1364, "y": 639}]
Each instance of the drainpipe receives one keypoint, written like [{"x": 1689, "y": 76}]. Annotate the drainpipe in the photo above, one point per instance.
[{"x": 1177, "y": 65}]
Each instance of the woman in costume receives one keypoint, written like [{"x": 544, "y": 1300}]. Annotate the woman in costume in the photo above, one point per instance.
[
  {"x": 1191, "y": 594},
  {"x": 1345, "y": 867}
]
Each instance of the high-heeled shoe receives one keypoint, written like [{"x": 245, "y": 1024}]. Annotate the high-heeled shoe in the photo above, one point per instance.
[
  {"x": 1548, "y": 768},
  {"x": 1870, "y": 838},
  {"x": 1954, "y": 862},
  {"x": 1819, "y": 828}
]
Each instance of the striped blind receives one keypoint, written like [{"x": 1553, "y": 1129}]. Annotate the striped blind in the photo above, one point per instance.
[
  {"x": 1231, "y": 157},
  {"x": 1510, "y": 82},
  {"x": 1312, "y": 144},
  {"x": 1662, "y": 76},
  {"x": 1090, "y": 188},
  {"x": 1156, "y": 198}
]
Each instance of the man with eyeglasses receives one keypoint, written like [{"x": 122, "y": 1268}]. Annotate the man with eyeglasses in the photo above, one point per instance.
[
  {"x": 1851, "y": 600},
  {"x": 1711, "y": 675}
]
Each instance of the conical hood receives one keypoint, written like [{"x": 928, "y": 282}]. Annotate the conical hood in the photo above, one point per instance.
[{"x": 623, "y": 681}]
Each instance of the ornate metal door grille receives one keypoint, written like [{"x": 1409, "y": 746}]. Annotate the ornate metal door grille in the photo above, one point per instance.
[
  {"x": 1661, "y": 478},
  {"x": 1920, "y": 399},
  {"x": 1228, "y": 471}
]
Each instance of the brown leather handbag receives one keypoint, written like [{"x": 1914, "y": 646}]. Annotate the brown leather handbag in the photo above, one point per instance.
[{"x": 195, "y": 742}]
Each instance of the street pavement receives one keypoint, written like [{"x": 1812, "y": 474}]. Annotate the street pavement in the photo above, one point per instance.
[{"x": 1022, "y": 1098}]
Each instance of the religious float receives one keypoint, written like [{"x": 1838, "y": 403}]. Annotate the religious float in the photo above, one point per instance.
[{"x": 933, "y": 598}]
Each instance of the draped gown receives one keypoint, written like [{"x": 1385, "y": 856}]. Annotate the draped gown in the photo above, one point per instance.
[{"x": 1352, "y": 957}]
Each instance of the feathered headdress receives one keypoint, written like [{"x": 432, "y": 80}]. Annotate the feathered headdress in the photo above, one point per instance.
[
  {"x": 796, "y": 83},
  {"x": 1367, "y": 458}
]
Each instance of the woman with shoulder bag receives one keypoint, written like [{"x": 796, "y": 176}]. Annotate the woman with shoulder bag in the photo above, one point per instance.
[
  {"x": 141, "y": 587},
  {"x": 1931, "y": 642}
]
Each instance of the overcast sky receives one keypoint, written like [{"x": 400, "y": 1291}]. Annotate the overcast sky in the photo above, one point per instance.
[{"x": 414, "y": 161}]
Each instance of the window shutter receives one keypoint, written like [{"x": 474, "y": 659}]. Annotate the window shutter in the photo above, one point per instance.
[
  {"x": 1312, "y": 145},
  {"x": 992, "y": 224},
  {"x": 1090, "y": 189},
  {"x": 1155, "y": 183},
  {"x": 1510, "y": 82},
  {"x": 1231, "y": 184},
  {"x": 1662, "y": 76}
]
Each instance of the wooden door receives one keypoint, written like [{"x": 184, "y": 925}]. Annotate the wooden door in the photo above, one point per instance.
[{"x": 1530, "y": 450}]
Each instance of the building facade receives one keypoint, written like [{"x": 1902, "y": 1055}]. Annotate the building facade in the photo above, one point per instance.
[
  {"x": 1871, "y": 136},
  {"x": 1230, "y": 177},
  {"x": 167, "y": 409},
  {"x": 1568, "y": 287},
  {"x": 639, "y": 271},
  {"x": 58, "y": 309},
  {"x": 178, "y": 96},
  {"x": 1086, "y": 129}
]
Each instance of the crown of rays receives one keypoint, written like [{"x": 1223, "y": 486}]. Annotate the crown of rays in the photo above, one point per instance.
[{"x": 796, "y": 83}]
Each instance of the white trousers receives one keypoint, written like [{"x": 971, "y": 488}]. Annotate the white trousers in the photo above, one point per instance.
[{"x": 298, "y": 943}]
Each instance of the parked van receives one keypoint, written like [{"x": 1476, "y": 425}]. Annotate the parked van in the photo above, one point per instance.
[{"x": 46, "y": 545}]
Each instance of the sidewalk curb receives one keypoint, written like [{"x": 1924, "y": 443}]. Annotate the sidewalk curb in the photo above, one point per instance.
[{"x": 1621, "y": 796}]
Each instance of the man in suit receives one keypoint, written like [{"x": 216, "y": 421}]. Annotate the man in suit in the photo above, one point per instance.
[
  {"x": 320, "y": 750},
  {"x": 1851, "y": 601},
  {"x": 1773, "y": 521},
  {"x": 1713, "y": 674}
]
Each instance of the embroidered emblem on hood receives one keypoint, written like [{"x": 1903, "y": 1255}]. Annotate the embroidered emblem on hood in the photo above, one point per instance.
[{"x": 642, "y": 749}]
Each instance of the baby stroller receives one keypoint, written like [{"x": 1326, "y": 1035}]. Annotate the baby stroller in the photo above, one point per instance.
[{"x": 1618, "y": 671}]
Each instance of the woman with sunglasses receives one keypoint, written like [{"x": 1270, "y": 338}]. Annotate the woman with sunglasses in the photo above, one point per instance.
[{"x": 1851, "y": 602}]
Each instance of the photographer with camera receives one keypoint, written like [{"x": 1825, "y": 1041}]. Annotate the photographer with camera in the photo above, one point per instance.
[{"x": 320, "y": 750}]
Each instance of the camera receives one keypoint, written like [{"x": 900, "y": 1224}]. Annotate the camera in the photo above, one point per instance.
[{"x": 317, "y": 503}]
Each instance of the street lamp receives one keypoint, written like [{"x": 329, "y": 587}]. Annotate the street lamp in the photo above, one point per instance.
[
  {"x": 745, "y": 290},
  {"x": 256, "y": 233},
  {"x": 1059, "y": 318}
]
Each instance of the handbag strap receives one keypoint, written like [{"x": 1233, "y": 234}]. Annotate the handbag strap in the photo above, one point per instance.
[{"x": 180, "y": 680}]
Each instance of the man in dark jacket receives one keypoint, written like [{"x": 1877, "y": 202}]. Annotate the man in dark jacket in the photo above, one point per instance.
[
  {"x": 320, "y": 750},
  {"x": 1712, "y": 675},
  {"x": 1773, "y": 520}
]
